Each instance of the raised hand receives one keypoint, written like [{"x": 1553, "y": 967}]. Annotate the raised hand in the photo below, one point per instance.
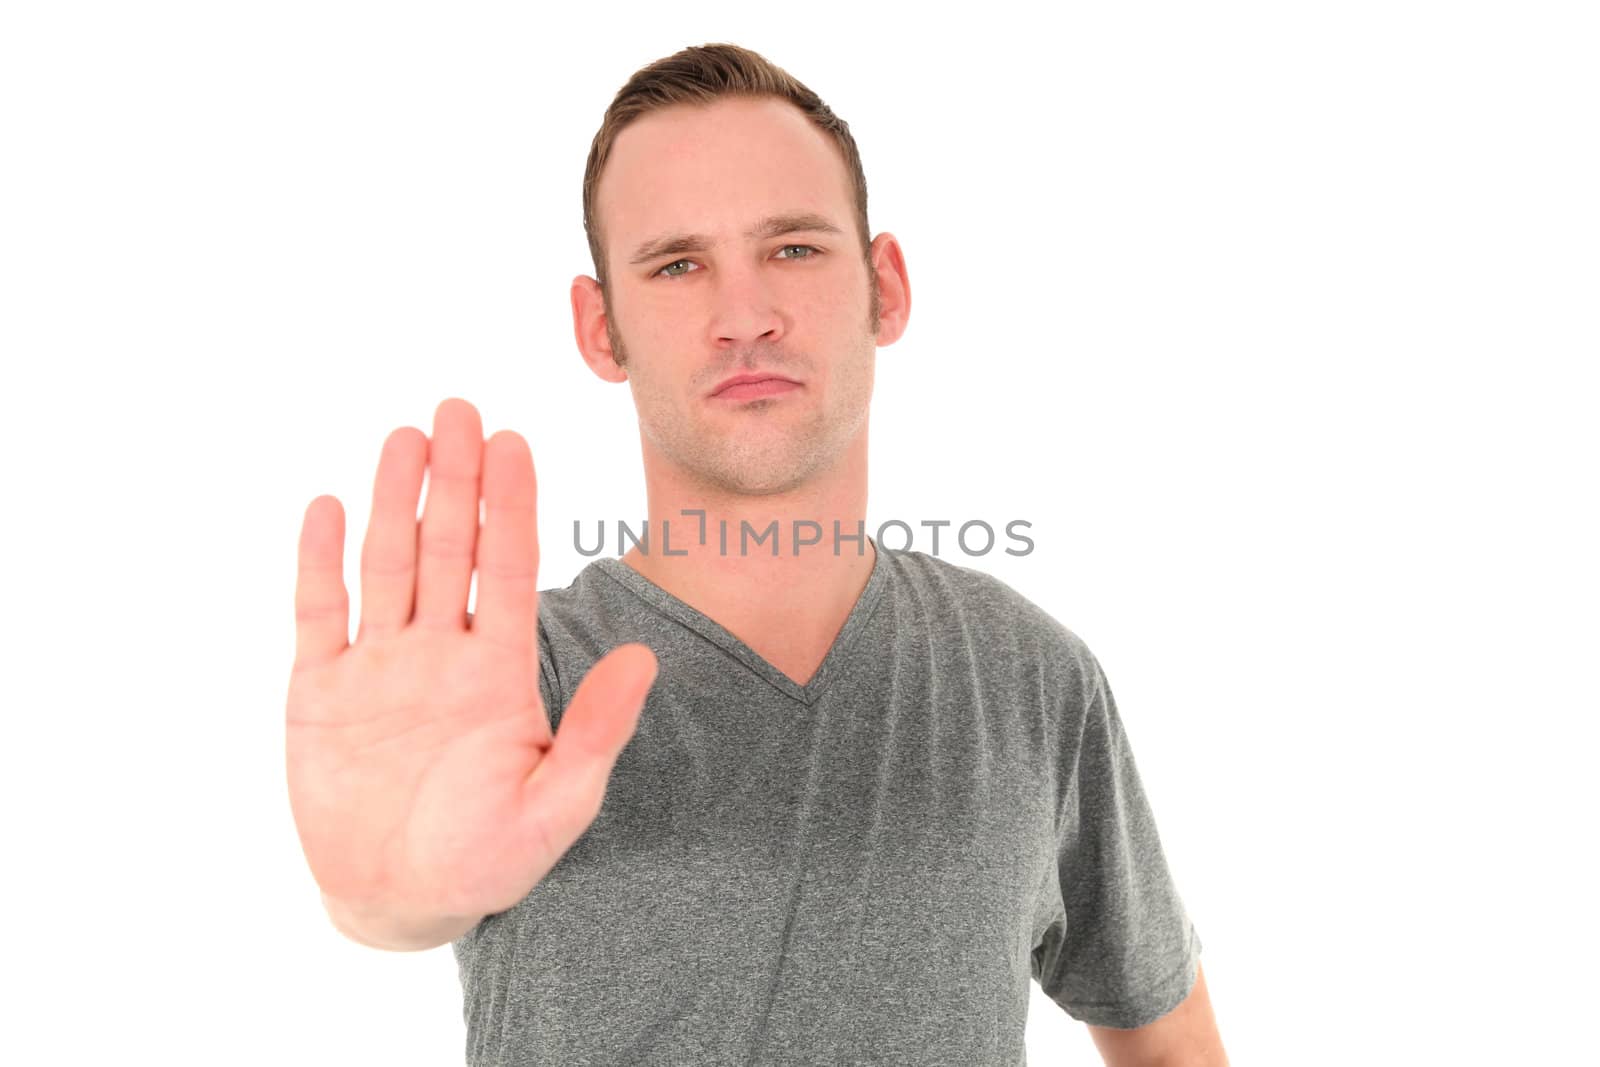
[{"x": 424, "y": 778}]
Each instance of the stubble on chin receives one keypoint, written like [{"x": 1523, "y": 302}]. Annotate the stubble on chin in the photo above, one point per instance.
[{"x": 762, "y": 465}]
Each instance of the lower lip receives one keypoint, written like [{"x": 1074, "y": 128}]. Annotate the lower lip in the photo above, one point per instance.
[{"x": 752, "y": 390}]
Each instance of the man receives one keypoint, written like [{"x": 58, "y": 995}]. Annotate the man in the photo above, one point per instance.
[{"x": 807, "y": 802}]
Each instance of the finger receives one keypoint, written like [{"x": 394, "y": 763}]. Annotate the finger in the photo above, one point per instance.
[
  {"x": 508, "y": 546},
  {"x": 321, "y": 601},
  {"x": 449, "y": 534},
  {"x": 565, "y": 791},
  {"x": 389, "y": 552}
]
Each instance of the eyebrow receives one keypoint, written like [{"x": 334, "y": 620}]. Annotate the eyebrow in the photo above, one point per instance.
[{"x": 672, "y": 244}]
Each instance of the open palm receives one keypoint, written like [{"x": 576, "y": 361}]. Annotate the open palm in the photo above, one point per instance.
[{"x": 424, "y": 778}]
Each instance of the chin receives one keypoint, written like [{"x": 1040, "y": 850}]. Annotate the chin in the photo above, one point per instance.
[
  {"x": 760, "y": 479},
  {"x": 758, "y": 482}
]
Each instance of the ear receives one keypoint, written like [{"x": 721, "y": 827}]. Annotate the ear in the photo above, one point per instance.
[
  {"x": 894, "y": 288},
  {"x": 589, "y": 327}
]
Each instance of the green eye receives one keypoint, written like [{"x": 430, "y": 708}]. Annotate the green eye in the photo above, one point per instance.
[{"x": 811, "y": 252}]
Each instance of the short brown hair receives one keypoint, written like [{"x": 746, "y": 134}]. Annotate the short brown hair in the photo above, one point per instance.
[{"x": 701, "y": 75}]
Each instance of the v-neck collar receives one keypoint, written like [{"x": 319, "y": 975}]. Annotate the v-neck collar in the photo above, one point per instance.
[{"x": 719, "y": 635}]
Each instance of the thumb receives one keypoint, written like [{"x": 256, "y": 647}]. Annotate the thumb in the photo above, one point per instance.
[{"x": 564, "y": 793}]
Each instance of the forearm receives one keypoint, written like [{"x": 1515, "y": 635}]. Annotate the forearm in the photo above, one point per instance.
[{"x": 393, "y": 933}]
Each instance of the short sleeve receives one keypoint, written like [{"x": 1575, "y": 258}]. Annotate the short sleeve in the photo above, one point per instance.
[{"x": 1117, "y": 949}]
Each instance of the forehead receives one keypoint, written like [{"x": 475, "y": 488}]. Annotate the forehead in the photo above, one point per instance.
[{"x": 718, "y": 168}]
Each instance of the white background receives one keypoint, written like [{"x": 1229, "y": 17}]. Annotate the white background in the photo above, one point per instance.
[{"x": 1277, "y": 321}]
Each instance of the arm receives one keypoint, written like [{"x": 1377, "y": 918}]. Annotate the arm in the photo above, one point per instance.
[{"x": 1184, "y": 1037}]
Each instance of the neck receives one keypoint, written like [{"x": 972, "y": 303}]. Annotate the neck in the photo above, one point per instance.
[{"x": 787, "y": 604}]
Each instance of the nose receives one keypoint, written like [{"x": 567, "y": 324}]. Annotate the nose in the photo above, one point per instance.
[{"x": 745, "y": 307}]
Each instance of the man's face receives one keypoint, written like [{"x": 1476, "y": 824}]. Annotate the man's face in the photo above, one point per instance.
[{"x": 682, "y": 321}]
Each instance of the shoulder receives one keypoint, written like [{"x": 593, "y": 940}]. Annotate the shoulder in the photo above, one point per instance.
[
  {"x": 977, "y": 594},
  {"x": 992, "y": 614},
  {"x": 590, "y": 614}
]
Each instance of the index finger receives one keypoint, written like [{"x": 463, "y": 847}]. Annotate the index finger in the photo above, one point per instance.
[{"x": 508, "y": 545}]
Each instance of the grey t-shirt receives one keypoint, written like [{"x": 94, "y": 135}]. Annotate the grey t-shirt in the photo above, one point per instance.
[{"x": 868, "y": 868}]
